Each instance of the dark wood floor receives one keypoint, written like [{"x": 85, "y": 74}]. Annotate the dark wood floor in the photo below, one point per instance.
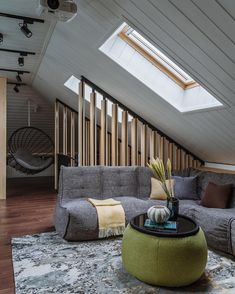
[{"x": 27, "y": 210}]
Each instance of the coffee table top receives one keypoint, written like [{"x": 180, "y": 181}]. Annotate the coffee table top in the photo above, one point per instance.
[{"x": 185, "y": 227}]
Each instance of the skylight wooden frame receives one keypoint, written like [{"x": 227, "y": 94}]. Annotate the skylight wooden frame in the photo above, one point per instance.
[{"x": 183, "y": 84}]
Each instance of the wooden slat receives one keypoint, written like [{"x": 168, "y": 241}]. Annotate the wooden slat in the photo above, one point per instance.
[
  {"x": 161, "y": 148},
  {"x": 165, "y": 150},
  {"x": 190, "y": 161},
  {"x": 174, "y": 161},
  {"x": 57, "y": 142},
  {"x": 134, "y": 141},
  {"x": 114, "y": 155},
  {"x": 187, "y": 161},
  {"x": 170, "y": 152},
  {"x": 93, "y": 130},
  {"x": 3, "y": 136},
  {"x": 178, "y": 159},
  {"x": 182, "y": 154},
  {"x": 103, "y": 143},
  {"x": 152, "y": 144},
  {"x": 124, "y": 151},
  {"x": 108, "y": 149},
  {"x": 143, "y": 139},
  {"x": 72, "y": 136},
  {"x": 65, "y": 130},
  {"x": 87, "y": 142},
  {"x": 81, "y": 124}
]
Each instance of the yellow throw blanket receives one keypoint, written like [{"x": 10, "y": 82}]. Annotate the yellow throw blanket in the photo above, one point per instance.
[{"x": 111, "y": 217}]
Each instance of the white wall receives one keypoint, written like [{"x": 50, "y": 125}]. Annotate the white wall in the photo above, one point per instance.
[{"x": 17, "y": 116}]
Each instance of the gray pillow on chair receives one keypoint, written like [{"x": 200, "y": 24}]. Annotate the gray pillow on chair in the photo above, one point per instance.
[{"x": 186, "y": 188}]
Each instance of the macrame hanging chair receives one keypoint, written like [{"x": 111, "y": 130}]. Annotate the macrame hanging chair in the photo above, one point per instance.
[{"x": 31, "y": 149}]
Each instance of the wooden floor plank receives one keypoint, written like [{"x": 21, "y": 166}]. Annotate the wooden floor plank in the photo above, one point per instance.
[{"x": 28, "y": 209}]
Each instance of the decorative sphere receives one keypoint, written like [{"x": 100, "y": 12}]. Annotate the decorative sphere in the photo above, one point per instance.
[{"x": 159, "y": 213}]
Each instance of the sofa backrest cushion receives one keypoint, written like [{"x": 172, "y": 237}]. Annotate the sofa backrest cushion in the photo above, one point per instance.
[
  {"x": 102, "y": 182},
  {"x": 204, "y": 177}
]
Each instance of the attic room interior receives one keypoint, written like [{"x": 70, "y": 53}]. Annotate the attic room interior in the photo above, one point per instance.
[{"x": 117, "y": 146}]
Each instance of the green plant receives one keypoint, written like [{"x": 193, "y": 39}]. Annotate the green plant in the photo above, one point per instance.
[{"x": 162, "y": 174}]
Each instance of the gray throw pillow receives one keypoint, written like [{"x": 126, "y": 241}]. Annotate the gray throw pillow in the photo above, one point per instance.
[{"x": 186, "y": 188}]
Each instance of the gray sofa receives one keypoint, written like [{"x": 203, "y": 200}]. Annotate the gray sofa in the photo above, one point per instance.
[{"x": 76, "y": 219}]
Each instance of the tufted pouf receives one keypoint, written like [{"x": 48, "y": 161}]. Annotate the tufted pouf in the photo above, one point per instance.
[{"x": 170, "y": 262}]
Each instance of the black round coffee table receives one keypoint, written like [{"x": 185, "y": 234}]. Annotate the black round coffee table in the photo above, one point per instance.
[
  {"x": 175, "y": 261},
  {"x": 185, "y": 227}
]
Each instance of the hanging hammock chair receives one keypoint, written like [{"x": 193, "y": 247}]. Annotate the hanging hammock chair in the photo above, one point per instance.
[{"x": 30, "y": 149}]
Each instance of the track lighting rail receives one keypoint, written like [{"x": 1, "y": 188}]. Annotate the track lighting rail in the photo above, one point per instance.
[
  {"x": 16, "y": 84},
  {"x": 21, "y": 52},
  {"x": 15, "y": 70},
  {"x": 28, "y": 20}
]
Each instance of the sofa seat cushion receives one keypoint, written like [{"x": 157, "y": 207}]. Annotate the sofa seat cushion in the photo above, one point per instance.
[
  {"x": 83, "y": 224},
  {"x": 216, "y": 223}
]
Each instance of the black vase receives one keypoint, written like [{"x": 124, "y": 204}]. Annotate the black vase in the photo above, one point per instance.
[{"x": 173, "y": 205}]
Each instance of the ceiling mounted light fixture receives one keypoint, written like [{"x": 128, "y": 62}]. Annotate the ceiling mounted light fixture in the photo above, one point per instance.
[
  {"x": 21, "y": 61},
  {"x": 16, "y": 89},
  {"x": 25, "y": 30},
  {"x": 18, "y": 78}
]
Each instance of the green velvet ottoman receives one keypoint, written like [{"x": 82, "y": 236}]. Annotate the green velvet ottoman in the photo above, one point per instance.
[{"x": 164, "y": 258}]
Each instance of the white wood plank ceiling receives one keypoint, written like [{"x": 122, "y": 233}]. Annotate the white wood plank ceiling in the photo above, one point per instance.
[
  {"x": 15, "y": 40},
  {"x": 198, "y": 35}
]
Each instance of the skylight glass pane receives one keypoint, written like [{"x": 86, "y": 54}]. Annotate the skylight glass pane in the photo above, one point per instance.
[
  {"x": 156, "y": 53},
  {"x": 73, "y": 84},
  {"x": 146, "y": 63}
]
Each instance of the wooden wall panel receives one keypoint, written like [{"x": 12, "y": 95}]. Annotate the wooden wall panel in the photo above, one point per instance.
[
  {"x": 114, "y": 151},
  {"x": 143, "y": 139},
  {"x": 93, "y": 130},
  {"x": 103, "y": 139},
  {"x": 81, "y": 124},
  {"x": 134, "y": 141},
  {"x": 3, "y": 136},
  {"x": 124, "y": 150}
]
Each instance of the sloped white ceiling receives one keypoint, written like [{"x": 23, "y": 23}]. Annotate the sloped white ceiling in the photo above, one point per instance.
[
  {"x": 15, "y": 40},
  {"x": 199, "y": 35}
]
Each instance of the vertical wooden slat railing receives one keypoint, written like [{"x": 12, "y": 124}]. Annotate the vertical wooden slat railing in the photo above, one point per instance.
[{"x": 109, "y": 133}]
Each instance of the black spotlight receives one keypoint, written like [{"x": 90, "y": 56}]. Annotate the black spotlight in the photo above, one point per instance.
[
  {"x": 16, "y": 89},
  {"x": 18, "y": 78},
  {"x": 21, "y": 61},
  {"x": 25, "y": 30},
  {"x": 1, "y": 38}
]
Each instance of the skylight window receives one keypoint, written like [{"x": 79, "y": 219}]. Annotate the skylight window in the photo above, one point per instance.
[
  {"x": 155, "y": 56},
  {"x": 155, "y": 70}
]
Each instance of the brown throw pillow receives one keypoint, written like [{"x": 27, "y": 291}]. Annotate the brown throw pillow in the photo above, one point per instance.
[{"x": 217, "y": 196}]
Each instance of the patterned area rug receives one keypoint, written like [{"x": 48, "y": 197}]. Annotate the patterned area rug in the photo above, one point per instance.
[{"x": 45, "y": 263}]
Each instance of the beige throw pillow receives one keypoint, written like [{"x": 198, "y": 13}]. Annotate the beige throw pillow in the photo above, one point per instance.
[{"x": 157, "y": 191}]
